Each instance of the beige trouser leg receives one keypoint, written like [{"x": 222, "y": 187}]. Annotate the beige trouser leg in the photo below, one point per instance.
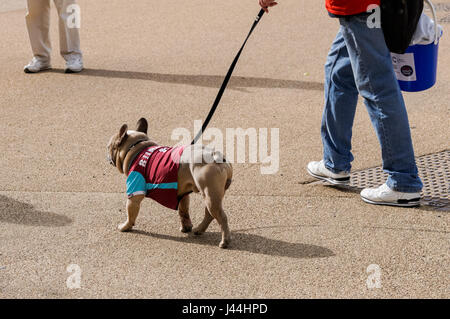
[
  {"x": 69, "y": 36},
  {"x": 38, "y": 23}
]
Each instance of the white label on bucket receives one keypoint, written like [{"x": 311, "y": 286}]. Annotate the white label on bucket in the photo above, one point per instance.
[{"x": 404, "y": 66}]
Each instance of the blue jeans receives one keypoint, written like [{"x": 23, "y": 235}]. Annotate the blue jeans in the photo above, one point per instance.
[{"x": 359, "y": 62}]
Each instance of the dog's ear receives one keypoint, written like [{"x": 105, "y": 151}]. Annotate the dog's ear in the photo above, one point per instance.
[
  {"x": 123, "y": 134},
  {"x": 142, "y": 125}
]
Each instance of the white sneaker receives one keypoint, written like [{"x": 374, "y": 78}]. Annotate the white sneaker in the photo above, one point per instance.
[
  {"x": 383, "y": 195},
  {"x": 37, "y": 65},
  {"x": 74, "y": 64},
  {"x": 318, "y": 170}
]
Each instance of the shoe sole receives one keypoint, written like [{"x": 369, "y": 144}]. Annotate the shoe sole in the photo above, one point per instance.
[
  {"x": 414, "y": 202},
  {"x": 334, "y": 181},
  {"x": 70, "y": 71},
  {"x": 28, "y": 71}
]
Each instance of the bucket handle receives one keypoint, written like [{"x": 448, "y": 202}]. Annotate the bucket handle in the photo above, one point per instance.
[{"x": 433, "y": 10}]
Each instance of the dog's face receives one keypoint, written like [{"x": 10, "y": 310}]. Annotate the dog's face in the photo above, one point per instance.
[{"x": 120, "y": 143}]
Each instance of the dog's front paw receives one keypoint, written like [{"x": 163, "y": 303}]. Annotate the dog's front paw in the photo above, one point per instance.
[
  {"x": 186, "y": 229},
  {"x": 124, "y": 227},
  {"x": 224, "y": 244},
  {"x": 225, "y": 241},
  {"x": 197, "y": 231}
]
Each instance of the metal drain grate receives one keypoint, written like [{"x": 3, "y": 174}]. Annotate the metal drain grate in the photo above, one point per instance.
[{"x": 434, "y": 170}]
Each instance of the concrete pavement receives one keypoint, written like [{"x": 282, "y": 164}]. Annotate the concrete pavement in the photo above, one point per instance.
[{"x": 60, "y": 200}]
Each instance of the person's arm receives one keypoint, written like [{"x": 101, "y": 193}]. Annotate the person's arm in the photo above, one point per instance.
[{"x": 266, "y": 4}]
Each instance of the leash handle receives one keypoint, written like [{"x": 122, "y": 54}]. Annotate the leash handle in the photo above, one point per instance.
[{"x": 226, "y": 80}]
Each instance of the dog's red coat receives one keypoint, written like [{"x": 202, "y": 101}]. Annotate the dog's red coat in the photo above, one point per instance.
[{"x": 154, "y": 173}]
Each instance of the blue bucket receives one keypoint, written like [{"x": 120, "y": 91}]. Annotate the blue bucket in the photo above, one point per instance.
[
  {"x": 416, "y": 69},
  {"x": 422, "y": 74}
]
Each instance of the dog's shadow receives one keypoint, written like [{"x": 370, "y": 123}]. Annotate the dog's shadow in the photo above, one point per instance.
[
  {"x": 16, "y": 212},
  {"x": 250, "y": 243}
]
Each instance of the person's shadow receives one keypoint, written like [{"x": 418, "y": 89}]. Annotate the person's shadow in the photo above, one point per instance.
[
  {"x": 17, "y": 212},
  {"x": 252, "y": 243},
  {"x": 212, "y": 81}
]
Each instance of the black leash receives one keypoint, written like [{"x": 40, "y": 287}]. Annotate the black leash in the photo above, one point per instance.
[{"x": 225, "y": 81}]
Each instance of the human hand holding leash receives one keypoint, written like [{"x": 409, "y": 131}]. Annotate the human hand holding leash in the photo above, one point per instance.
[{"x": 265, "y": 4}]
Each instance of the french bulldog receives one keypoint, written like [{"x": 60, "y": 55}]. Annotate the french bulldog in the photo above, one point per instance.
[{"x": 169, "y": 175}]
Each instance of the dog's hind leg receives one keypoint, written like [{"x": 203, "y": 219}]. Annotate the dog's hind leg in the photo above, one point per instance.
[
  {"x": 200, "y": 229},
  {"x": 213, "y": 201},
  {"x": 183, "y": 211}
]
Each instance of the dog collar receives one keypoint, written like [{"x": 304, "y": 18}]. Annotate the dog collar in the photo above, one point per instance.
[
  {"x": 135, "y": 144},
  {"x": 135, "y": 155}
]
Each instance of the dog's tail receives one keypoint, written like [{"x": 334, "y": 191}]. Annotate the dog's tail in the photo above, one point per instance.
[
  {"x": 229, "y": 169},
  {"x": 220, "y": 158},
  {"x": 228, "y": 184}
]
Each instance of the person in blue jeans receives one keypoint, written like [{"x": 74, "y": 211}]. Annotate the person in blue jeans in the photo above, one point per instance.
[{"x": 359, "y": 63}]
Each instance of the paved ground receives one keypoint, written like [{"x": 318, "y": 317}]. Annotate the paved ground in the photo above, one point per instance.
[{"x": 60, "y": 200}]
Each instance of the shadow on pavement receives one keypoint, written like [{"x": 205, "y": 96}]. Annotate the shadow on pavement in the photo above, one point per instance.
[
  {"x": 213, "y": 81},
  {"x": 251, "y": 243},
  {"x": 16, "y": 212}
]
